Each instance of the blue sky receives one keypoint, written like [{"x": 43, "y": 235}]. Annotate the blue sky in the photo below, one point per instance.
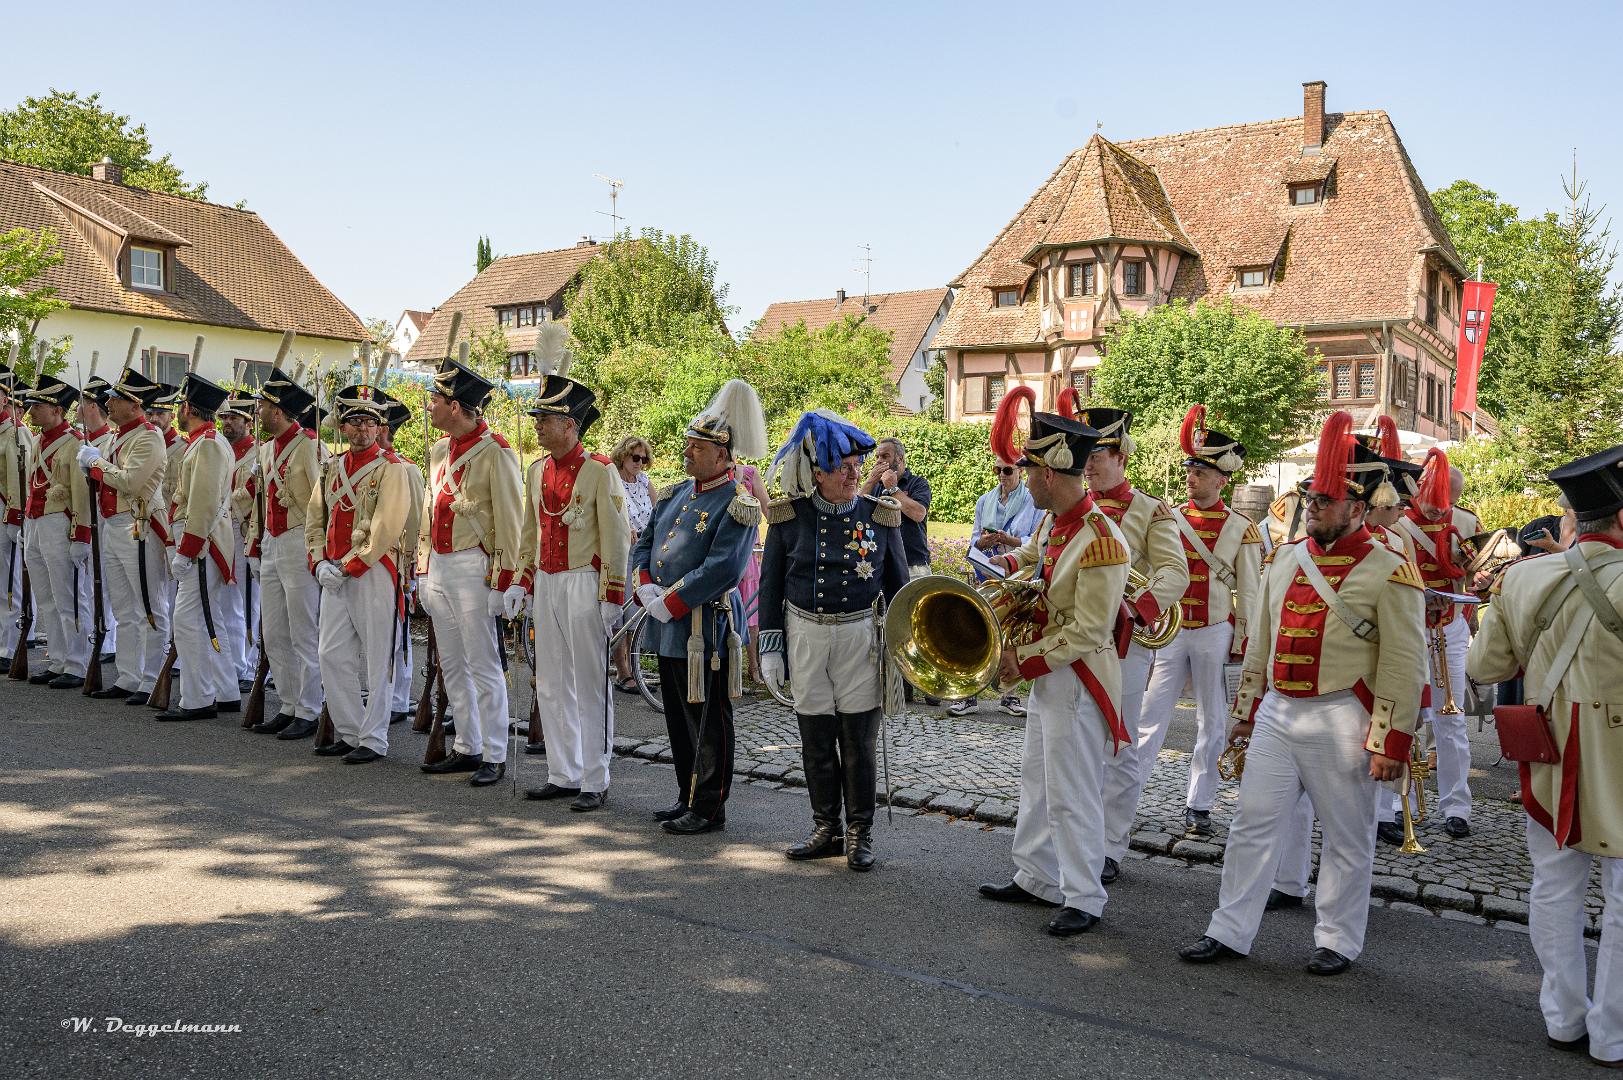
[{"x": 380, "y": 140}]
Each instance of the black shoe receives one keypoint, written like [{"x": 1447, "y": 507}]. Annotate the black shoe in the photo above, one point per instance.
[
  {"x": 593, "y": 800},
  {"x": 689, "y": 824},
  {"x": 335, "y": 749},
  {"x": 362, "y": 755},
  {"x": 1110, "y": 873},
  {"x": 1573, "y": 1046},
  {"x": 1208, "y": 951},
  {"x": 1277, "y": 900},
  {"x": 671, "y": 812},
  {"x": 550, "y": 790},
  {"x": 1070, "y": 921},
  {"x": 298, "y": 729},
  {"x": 108, "y": 693},
  {"x": 66, "y": 682},
  {"x": 1457, "y": 827},
  {"x": 140, "y": 697},
  {"x": 245, "y": 686},
  {"x": 108, "y": 658},
  {"x": 1327, "y": 962},
  {"x": 274, "y": 726},
  {"x": 455, "y": 762},
  {"x": 399, "y": 717},
  {"x": 488, "y": 773},
  {"x": 1197, "y": 822},
  {"x": 205, "y": 713},
  {"x": 824, "y": 842},
  {"x": 859, "y": 848},
  {"x": 40, "y": 678},
  {"x": 538, "y": 749},
  {"x": 1014, "y": 894},
  {"x": 1389, "y": 832},
  {"x": 229, "y": 706}
]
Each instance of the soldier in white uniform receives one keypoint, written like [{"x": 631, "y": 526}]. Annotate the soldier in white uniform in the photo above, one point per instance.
[
  {"x": 241, "y": 605},
  {"x": 352, "y": 531},
  {"x": 16, "y": 449},
  {"x": 400, "y": 704},
  {"x": 99, "y": 434},
  {"x": 1573, "y": 674},
  {"x": 58, "y": 536}
]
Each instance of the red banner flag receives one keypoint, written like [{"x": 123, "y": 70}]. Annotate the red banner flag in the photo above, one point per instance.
[{"x": 1476, "y": 312}]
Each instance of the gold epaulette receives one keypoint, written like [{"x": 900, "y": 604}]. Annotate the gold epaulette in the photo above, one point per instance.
[
  {"x": 668, "y": 490},
  {"x": 1104, "y": 549},
  {"x": 1159, "y": 510},
  {"x": 1278, "y": 506},
  {"x": 780, "y": 510},
  {"x": 745, "y": 509},
  {"x": 1406, "y": 574},
  {"x": 888, "y": 512},
  {"x": 1252, "y": 536}
]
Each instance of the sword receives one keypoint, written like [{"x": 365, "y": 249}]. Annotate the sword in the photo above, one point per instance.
[
  {"x": 203, "y": 595},
  {"x": 141, "y": 568}
]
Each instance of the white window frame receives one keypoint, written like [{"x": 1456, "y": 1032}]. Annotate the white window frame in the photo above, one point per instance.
[
  {"x": 139, "y": 270},
  {"x": 1240, "y": 277}
]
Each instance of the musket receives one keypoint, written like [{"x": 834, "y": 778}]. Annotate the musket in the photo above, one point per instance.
[
  {"x": 25, "y": 624},
  {"x": 98, "y": 633},
  {"x": 431, "y": 706}
]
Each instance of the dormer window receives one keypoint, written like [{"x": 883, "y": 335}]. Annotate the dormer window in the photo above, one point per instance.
[
  {"x": 504, "y": 316},
  {"x": 1306, "y": 194},
  {"x": 1007, "y": 298},
  {"x": 1079, "y": 279},
  {"x": 1251, "y": 277},
  {"x": 146, "y": 268}
]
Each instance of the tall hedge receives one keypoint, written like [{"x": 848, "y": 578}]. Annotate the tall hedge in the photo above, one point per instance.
[{"x": 955, "y": 458}]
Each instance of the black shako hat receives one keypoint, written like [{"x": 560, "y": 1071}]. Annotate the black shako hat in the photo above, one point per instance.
[
  {"x": 201, "y": 393},
  {"x": 1059, "y": 443},
  {"x": 461, "y": 383},
  {"x": 1593, "y": 485}
]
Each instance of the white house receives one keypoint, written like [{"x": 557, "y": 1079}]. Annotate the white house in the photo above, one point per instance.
[
  {"x": 175, "y": 267},
  {"x": 407, "y": 329}
]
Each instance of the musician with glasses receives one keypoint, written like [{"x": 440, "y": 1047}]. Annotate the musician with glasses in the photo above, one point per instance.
[
  {"x": 1005, "y": 518},
  {"x": 831, "y": 553},
  {"x": 1573, "y": 677},
  {"x": 1329, "y": 697}
]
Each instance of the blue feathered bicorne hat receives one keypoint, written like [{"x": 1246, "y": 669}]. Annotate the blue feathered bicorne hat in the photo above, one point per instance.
[{"x": 821, "y": 440}]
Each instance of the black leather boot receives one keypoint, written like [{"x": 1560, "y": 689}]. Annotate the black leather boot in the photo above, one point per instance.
[
  {"x": 859, "y": 733},
  {"x": 819, "y": 740}
]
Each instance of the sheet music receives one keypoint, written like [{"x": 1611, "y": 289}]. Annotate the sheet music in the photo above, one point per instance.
[{"x": 977, "y": 558}]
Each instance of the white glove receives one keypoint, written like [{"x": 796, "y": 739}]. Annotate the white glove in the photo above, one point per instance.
[
  {"x": 79, "y": 552},
  {"x": 647, "y": 594},
  {"x": 659, "y": 611},
  {"x": 772, "y": 669},
  {"x": 513, "y": 601},
  {"x": 180, "y": 565},
  {"x": 253, "y": 566},
  {"x": 329, "y": 574},
  {"x": 14, "y": 533},
  {"x": 88, "y": 456},
  {"x": 611, "y": 615},
  {"x": 495, "y": 603}
]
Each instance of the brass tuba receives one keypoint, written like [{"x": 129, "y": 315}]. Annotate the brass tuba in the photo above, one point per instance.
[
  {"x": 1160, "y": 632},
  {"x": 947, "y": 637}
]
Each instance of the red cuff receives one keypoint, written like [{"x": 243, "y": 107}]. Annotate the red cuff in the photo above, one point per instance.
[
  {"x": 1006, "y": 562},
  {"x": 191, "y": 545},
  {"x": 355, "y": 567},
  {"x": 1399, "y": 744},
  {"x": 81, "y": 534},
  {"x": 615, "y": 595},
  {"x": 527, "y": 579},
  {"x": 674, "y": 604},
  {"x": 95, "y": 473},
  {"x": 644, "y": 578},
  {"x": 503, "y": 580},
  {"x": 1034, "y": 667},
  {"x": 14, "y": 517},
  {"x": 1147, "y": 608}
]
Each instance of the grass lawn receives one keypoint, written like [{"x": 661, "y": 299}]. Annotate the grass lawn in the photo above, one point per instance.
[{"x": 949, "y": 530}]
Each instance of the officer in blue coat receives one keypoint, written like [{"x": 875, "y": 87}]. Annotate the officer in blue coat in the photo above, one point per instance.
[
  {"x": 687, "y": 564},
  {"x": 831, "y": 553}
]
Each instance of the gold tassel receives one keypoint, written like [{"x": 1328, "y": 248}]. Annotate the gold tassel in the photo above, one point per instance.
[
  {"x": 696, "y": 670},
  {"x": 735, "y": 658}
]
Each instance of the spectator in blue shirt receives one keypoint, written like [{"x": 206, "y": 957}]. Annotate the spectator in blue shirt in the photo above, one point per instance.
[{"x": 1005, "y": 518}]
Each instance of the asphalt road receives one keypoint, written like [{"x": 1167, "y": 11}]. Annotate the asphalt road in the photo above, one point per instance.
[{"x": 379, "y": 922}]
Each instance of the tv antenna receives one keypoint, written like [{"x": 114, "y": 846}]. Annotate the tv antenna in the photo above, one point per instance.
[
  {"x": 865, "y": 268},
  {"x": 614, "y": 201}
]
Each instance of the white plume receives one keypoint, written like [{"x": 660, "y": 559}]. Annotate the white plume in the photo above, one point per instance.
[
  {"x": 737, "y": 405},
  {"x": 552, "y": 352}
]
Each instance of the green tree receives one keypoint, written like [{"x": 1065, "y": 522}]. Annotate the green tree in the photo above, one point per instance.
[
  {"x": 647, "y": 290},
  {"x": 844, "y": 367},
  {"x": 24, "y": 256},
  {"x": 654, "y": 390},
  {"x": 935, "y": 381},
  {"x": 1257, "y": 380},
  {"x": 482, "y": 256},
  {"x": 488, "y": 354},
  {"x": 69, "y": 133}
]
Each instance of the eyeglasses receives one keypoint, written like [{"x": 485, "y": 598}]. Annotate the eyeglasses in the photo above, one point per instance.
[
  {"x": 1315, "y": 501},
  {"x": 638, "y": 458},
  {"x": 1004, "y": 470}
]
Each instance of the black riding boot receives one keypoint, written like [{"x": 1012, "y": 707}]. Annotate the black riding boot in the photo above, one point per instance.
[
  {"x": 819, "y": 739},
  {"x": 859, "y": 733}
]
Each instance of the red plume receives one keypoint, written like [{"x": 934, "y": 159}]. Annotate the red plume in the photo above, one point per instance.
[
  {"x": 1193, "y": 420},
  {"x": 1335, "y": 454},
  {"x": 1006, "y": 420},
  {"x": 1391, "y": 445},
  {"x": 1435, "y": 482},
  {"x": 1069, "y": 403}
]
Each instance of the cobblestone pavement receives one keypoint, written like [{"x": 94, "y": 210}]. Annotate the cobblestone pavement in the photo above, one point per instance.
[{"x": 968, "y": 768}]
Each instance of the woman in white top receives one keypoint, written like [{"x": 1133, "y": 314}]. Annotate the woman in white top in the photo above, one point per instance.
[{"x": 632, "y": 456}]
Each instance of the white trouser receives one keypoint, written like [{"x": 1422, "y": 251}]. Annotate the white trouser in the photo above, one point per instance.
[
  {"x": 11, "y": 595},
  {"x": 291, "y": 599},
  {"x": 1314, "y": 745},
  {"x": 64, "y": 611},
  {"x": 1448, "y": 732},
  {"x": 229, "y": 613},
  {"x": 1121, "y": 784},
  {"x": 400, "y": 691},
  {"x": 1296, "y": 849},
  {"x": 246, "y": 643},
  {"x": 454, "y": 592},
  {"x": 1197, "y": 655},
  {"x": 109, "y": 616},
  {"x": 572, "y": 689},
  {"x": 207, "y": 676},
  {"x": 833, "y": 667},
  {"x": 357, "y": 628},
  {"x": 1556, "y": 924},
  {"x": 143, "y": 645},
  {"x": 1059, "y": 849}
]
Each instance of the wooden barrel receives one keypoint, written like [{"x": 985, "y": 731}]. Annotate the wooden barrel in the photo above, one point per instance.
[{"x": 1252, "y": 500}]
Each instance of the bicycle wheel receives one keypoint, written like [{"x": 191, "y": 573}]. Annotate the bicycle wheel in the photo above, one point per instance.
[{"x": 645, "y": 667}]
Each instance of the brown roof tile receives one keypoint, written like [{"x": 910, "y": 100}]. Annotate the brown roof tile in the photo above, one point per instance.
[
  {"x": 907, "y": 315},
  {"x": 537, "y": 278},
  {"x": 232, "y": 270},
  {"x": 1113, "y": 196}
]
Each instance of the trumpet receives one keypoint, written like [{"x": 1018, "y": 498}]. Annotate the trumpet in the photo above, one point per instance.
[
  {"x": 1439, "y": 659},
  {"x": 1231, "y": 763},
  {"x": 1159, "y": 633}
]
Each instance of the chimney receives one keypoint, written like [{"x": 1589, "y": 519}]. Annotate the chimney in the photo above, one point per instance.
[
  {"x": 585, "y": 241},
  {"x": 107, "y": 169},
  {"x": 1312, "y": 117},
  {"x": 839, "y": 297}
]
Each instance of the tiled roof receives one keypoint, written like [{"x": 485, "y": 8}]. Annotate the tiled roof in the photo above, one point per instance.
[
  {"x": 907, "y": 315},
  {"x": 1354, "y": 257},
  {"x": 419, "y": 319},
  {"x": 536, "y": 278},
  {"x": 1113, "y": 196},
  {"x": 1311, "y": 169},
  {"x": 232, "y": 270}
]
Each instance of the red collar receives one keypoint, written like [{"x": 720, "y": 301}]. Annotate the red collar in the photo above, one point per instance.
[
  {"x": 132, "y": 425},
  {"x": 98, "y": 433},
  {"x": 1599, "y": 538},
  {"x": 201, "y": 431},
  {"x": 169, "y": 436},
  {"x": 1214, "y": 509},
  {"x": 242, "y": 446},
  {"x": 1427, "y": 523},
  {"x": 293, "y": 432},
  {"x": 725, "y": 476},
  {"x": 354, "y": 459},
  {"x": 462, "y": 443},
  {"x": 1359, "y": 537},
  {"x": 47, "y": 436},
  {"x": 1122, "y": 492},
  {"x": 1074, "y": 514},
  {"x": 571, "y": 459}
]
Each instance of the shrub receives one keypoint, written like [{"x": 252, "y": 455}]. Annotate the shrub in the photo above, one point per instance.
[
  {"x": 955, "y": 458},
  {"x": 951, "y": 557}
]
